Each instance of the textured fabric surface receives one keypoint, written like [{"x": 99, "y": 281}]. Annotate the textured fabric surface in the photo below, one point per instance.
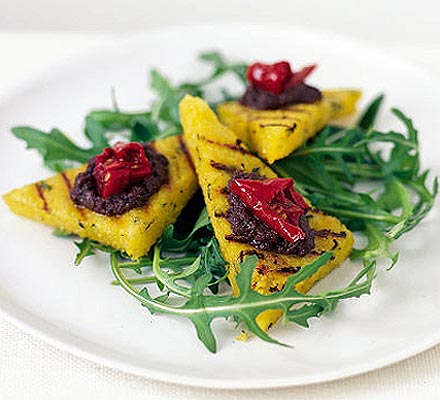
[{"x": 32, "y": 369}]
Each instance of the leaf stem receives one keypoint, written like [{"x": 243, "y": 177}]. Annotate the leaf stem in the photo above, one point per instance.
[
  {"x": 219, "y": 306},
  {"x": 307, "y": 151},
  {"x": 392, "y": 219}
]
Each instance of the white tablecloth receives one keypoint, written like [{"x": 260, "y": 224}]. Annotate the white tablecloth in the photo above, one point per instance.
[{"x": 32, "y": 369}]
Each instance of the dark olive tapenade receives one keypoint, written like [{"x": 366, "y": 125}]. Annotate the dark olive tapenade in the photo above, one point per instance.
[
  {"x": 259, "y": 99},
  {"x": 85, "y": 192}
]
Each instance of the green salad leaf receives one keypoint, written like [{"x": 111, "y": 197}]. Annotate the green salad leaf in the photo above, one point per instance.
[
  {"x": 57, "y": 150},
  {"x": 202, "y": 308},
  {"x": 369, "y": 117},
  {"x": 86, "y": 249}
]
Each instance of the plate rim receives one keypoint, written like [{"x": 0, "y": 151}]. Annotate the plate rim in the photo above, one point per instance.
[
  {"x": 198, "y": 382},
  {"x": 56, "y": 340}
]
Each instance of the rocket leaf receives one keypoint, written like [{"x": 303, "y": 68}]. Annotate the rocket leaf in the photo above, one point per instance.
[{"x": 202, "y": 308}]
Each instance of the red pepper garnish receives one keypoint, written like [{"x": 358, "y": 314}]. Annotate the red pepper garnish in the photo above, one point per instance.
[
  {"x": 120, "y": 166},
  {"x": 277, "y": 77},
  {"x": 275, "y": 202},
  {"x": 300, "y": 76},
  {"x": 270, "y": 77}
]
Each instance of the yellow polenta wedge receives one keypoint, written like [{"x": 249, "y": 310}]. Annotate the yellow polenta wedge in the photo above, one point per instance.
[
  {"x": 135, "y": 231},
  {"x": 209, "y": 141},
  {"x": 274, "y": 134}
]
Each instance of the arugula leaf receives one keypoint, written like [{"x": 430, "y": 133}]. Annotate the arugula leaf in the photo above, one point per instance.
[
  {"x": 221, "y": 66},
  {"x": 171, "y": 244},
  {"x": 57, "y": 150},
  {"x": 212, "y": 262},
  {"x": 95, "y": 132},
  {"x": 143, "y": 129},
  {"x": 368, "y": 118},
  {"x": 61, "y": 233},
  {"x": 355, "y": 288},
  {"x": 204, "y": 257},
  {"x": 115, "y": 120},
  {"x": 166, "y": 108},
  {"x": 141, "y": 126},
  {"x": 201, "y": 309},
  {"x": 378, "y": 246},
  {"x": 302, "y": 315},
  {"x": 86, "y": 249},
  {"x": 169, "y": 281}
]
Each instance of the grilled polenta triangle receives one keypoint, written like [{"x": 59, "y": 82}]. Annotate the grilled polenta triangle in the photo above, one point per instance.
[
  {"x": 133, "y": 232},
  {"x": 274, "y": 134},
  {"x": 211, "y": 142}
]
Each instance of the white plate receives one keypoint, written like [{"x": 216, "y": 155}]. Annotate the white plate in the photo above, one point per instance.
[{"x": 77, "y": 308}]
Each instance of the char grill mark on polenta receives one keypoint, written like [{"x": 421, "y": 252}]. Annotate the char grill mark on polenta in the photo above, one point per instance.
[
  {"x": 40, "y": 192},
  {"x": 289, "y": 128},
  {"x": 66, "y": 181},
  {"x": 237, "y": 146},
  {"x": 206, "y": 137},
  {"x": 185, "y": 151}
]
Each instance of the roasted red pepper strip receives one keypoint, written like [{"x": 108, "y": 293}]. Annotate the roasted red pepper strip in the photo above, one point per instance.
[
  {"x": 275, "y": 202},
  {"x": 277, "y": 77},
  {"x": 270, "y": 77},
  {"x": 300, "y": 76},
  {"x": 119, "y": 167}
]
